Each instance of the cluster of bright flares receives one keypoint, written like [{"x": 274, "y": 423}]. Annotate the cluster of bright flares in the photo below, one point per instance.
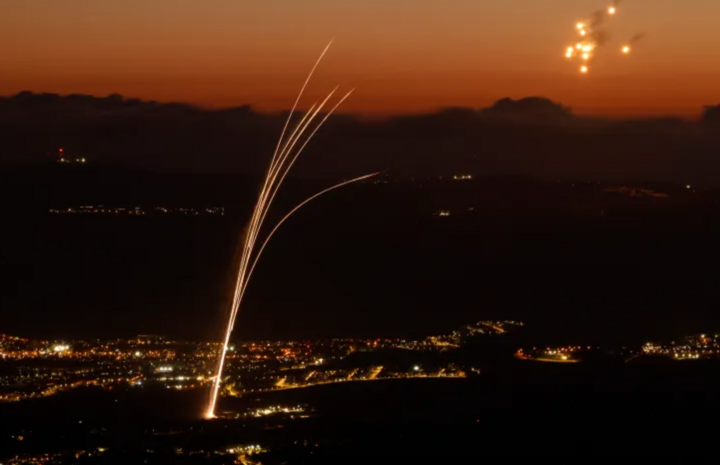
[
  {"x": 282, "y": 161},
  {"x": 588, "y": 43}
]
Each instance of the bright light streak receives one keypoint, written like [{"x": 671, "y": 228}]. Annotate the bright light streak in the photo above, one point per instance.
[
  {"x": 297, "y": 100},
  {"x": 254, "y": 227},
  {"x": 257, "y": 257},
  {"x": 281, "y": 163}
]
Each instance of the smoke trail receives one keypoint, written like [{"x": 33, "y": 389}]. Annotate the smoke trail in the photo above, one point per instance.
[
  {"x": 600, "y": 38},
  {"x": 636, "y": 38},
  {"x": 597, "y": 18}
]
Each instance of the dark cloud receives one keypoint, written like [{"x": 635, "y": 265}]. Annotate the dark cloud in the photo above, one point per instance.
[
  {"x": 530, "y": 107},
  {"x": 531, "y": 136},
  {"x": 711, "y": 114}
]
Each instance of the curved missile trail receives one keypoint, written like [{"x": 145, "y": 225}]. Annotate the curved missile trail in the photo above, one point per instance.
[
  {"x": 292, "y": 162},
  {"x": 283, "y": 156},
  {"x": 282, "y": 161},
  {"x": 297, "y": 100},
  {"x": 336, "y": 186}
]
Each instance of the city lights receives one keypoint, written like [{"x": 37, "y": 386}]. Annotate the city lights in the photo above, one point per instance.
[
  {"x": 255, "y": 366},
  {"x": 137, "y": 210}
]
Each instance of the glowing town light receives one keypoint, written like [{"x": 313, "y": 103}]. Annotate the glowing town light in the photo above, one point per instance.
[
  {"x": 580, "y": 26},
  {"x": 416, "y": 368},
  {"x": 612, "y": 10},
  {"x": 626, "y": 49},
  {"x": 584, "y": 69},
  {"x": 60, "y": 348}
]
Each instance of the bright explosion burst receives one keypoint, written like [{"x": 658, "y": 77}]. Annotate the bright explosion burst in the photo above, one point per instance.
[
  {"x": 280, "y": 164},
  {"x": 591, "y": 38}
]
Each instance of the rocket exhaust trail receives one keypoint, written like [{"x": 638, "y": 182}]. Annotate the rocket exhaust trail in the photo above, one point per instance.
[
  {"x": 292, "y": 162},
  {"x": 297, "y": 100},
  {"x": 336, "y": 186},
  {"x": 278, "y": 170},
  {"x": 264, "y": 203},
  {"x": 254, "y": 220}
]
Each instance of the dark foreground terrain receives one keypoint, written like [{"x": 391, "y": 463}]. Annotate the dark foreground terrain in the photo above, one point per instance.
[
  {"x": 578, "y": 263},
  {"x": 572, "y": 259},
  {"x": 525, "y": 408}
]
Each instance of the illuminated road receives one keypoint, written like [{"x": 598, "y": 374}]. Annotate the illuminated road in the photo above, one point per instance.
[
  {"x": 286, "y": 387},
  {"x": 521, "y": 356},
  {"x": 496, "y": 328},
  {"x": 554, "y": 360}
]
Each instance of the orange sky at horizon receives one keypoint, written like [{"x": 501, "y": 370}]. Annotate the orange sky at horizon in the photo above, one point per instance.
[{"x": 401, "y": 55}]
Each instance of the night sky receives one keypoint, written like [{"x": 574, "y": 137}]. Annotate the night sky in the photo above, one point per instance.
[{"x": 403, "y": 55}]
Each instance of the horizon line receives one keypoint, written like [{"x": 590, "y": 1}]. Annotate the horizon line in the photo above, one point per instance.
[{"x": 628, "y": 113}]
